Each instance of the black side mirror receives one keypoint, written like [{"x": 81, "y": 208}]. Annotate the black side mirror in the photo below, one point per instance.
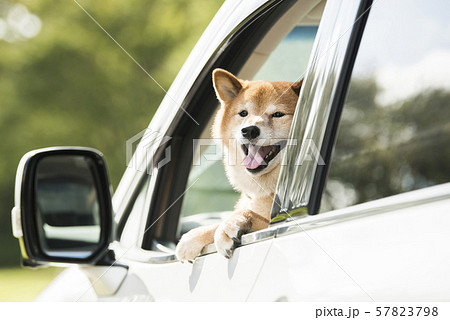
[{"x": 63, "y": 210}]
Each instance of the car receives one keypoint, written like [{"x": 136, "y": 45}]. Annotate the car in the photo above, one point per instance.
[{"x": 360, "y": 211}]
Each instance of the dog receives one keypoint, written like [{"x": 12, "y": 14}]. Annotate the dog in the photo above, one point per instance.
[{"x": 253, "y": 124}]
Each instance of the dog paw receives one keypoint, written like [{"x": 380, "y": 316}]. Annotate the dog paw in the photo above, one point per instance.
[
  {"x": 189, "y": 246},
  {"x": 226, "y": 238}
]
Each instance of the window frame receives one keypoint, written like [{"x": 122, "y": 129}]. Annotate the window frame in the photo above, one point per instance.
[
  {"x": 162, "y": 224},
  {"x": 136, "y": 174}
]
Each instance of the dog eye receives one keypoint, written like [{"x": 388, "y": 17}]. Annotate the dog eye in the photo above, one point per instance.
[
  {"x": 243, "y": 113},
  {"x": 277, "y": 114}
]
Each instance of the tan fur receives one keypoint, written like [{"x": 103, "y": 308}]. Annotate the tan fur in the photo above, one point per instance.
[{"x": 252, "y": 212}]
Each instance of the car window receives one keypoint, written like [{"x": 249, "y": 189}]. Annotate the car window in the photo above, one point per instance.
[
  {"x": 210, "y": 196},
  {"x": 395, "y": 126}
]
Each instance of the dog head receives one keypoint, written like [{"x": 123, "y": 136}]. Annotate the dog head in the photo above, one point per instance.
[{"x": 253, "y": 122}]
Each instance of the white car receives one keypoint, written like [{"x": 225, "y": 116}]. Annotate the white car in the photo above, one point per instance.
[{"x": 362, "y": 206}]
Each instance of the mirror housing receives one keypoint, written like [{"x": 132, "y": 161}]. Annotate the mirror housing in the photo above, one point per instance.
[{"x": 63, "y": 210}]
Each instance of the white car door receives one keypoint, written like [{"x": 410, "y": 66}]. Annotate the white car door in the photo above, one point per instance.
[{"x": 382, "y": 231}]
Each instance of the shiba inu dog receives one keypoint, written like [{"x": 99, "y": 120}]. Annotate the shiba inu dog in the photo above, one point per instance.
[{"x": 253, "y": 123}]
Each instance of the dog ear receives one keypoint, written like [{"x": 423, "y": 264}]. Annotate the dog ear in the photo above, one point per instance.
[
  {"x": 226, "y": 85},
  {"x": 296, "y": 87}
]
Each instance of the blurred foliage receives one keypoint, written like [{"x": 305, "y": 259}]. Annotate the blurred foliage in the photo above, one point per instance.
[
  {"x": 383, "y": 150},
  {"x": 71, "y": 84},
  {"x": 21, "y": 285}
]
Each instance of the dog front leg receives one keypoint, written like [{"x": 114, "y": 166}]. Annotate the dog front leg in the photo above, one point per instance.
[
  {"x": 192, "y": 243},
  {"x": 229, "y": 232}
]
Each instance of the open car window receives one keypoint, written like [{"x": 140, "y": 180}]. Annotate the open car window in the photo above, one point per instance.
[{"x": 209, "y": 196}]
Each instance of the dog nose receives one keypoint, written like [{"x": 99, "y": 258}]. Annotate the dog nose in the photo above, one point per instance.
[{"x": 250, "y": 132}]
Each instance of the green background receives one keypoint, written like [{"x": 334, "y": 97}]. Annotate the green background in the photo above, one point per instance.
[{"x": 71, "y": 84}]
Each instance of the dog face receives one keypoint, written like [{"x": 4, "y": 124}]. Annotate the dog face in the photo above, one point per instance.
[{"x": 253, "y": 123}]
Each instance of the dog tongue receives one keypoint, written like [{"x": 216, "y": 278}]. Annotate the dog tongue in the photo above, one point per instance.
[{"x": 255, "y": 156}]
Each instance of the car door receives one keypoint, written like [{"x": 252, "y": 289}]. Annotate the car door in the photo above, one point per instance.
[
  {"x": 383, "y": 196},
  {"x": 156, "y": 200},
  {"x": 183, "y": 185}
]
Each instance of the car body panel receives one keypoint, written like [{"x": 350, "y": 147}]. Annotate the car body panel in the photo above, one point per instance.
[
  {"x": 387, "y": 250},
  {"x": 210, "y": 278}
]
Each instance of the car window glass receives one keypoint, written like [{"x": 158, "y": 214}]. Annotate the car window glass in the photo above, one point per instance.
[
  {"x": 395, "y": 126},
  {"x": 210, "y": 196}
]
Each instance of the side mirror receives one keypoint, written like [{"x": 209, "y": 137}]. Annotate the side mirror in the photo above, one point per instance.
[{"x": 63, "y": 211}]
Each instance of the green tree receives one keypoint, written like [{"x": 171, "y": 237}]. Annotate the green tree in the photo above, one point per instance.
[
  {"x": 383, "y": 150},
  {"x": 71, "y": 84}
]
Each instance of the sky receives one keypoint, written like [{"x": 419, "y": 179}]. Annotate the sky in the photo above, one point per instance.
[{"x": 406, "y": 47}]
